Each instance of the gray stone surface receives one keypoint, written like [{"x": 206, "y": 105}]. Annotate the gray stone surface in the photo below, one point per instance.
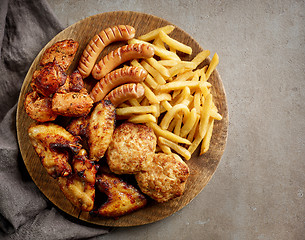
[{"x": 258, "y": 189}]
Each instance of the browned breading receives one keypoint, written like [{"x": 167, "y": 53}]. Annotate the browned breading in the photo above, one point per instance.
[
  {"x": 62, "y": 52},
  {"x": 52, "y": 142},
  {"x": 165, "y": 178},
  {"x": 39, "y": 108},
  {"x": 130, "y": 147},
  {"x": 48, "y": 79},
  {"x": 122, "y": 197},
  {"x": 79, "y": 187},
  {"x": 100, "y": 129}
]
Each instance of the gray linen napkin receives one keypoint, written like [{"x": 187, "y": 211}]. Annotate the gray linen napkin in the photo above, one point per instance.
[{"x": 25, "y": 27}]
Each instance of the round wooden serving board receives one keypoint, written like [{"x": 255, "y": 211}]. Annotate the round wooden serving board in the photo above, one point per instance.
[{"x": 202, "y": 167}]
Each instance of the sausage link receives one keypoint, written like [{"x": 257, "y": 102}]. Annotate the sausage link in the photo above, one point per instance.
[
  {"x": 116, "y": 78},
  {"x": 99, "y": 42},
  {"x": 125, "y": 92},
  {"x": 121, "y": 55}
]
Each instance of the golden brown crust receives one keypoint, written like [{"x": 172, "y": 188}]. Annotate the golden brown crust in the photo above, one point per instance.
[
  {"x": 122, "y": 197},
  {"x": 99, "y": 42},
  {"x": 130, "y": 147},
  {"x": 165, "y": 178},
  {"x": 39, "y": 108},
  {"x": 48, "y": 79},
  {"x": 78, "y": 126},
  {"x": 119, "y": 56},
  {"x": 100, "y": 129},
  {"x": 62, "y": 52},
  {"x": 52, "y": 142},
  {"x": 79, "y": 187},
  {"x": 116, "y": 78},
  {"x": 72, "y": 104},
  {"x": 124, "y": 93}
]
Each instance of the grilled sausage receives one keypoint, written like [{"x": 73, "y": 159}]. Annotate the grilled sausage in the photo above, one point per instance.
[
  {"x": 125, "y": 92},
  {"x": 116, "y": 78},
  {"x": 99, "y": 42},
  {"x": 121, "y": 55}
]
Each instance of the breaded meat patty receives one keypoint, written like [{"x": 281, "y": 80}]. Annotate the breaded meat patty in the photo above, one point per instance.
[
  {"x": 165, "y": 178},
  {"x": 130, "y": 147}
]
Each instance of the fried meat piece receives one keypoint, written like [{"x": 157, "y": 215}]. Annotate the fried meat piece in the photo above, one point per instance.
[
  {"x": 52, "y": 143},
  {"x": 78, "y": 126},
  {"x": 62, "y": 52},
  {"x": 39, "y": 108},
  {"x": 72, "y": 104},
  {"x": 100, "y": 129},
  {"x": 48, "y": 79},
  {"x": 79, "y": 187},
  {"x": 165, "y": 178},
  {"x": 122, "y": 197},
  {"x": 130, "y": 147},
  {"x": 72, "y": 99}
]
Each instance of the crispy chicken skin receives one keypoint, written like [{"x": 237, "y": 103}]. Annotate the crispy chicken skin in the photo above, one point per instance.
[
  {"x": 79, "y": 187},
  {"x": 122, "y": 197},
  {"x": 72, "y": 104},
  {"x": 52, "y": 143},
  {"x": 78, "y": 126},
  {"x": 100, "y": 129},
  {"x": 130, "y": 147},
  {"x": 39, "y": 108},
  {"x": 165, "y": 178},
  {"x": 63, "y": 52},
  {"x": 48, "y": 79},
  {"x": 72, "y": 99}
]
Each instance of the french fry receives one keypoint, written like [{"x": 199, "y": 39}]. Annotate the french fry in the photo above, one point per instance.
[
  {"x": 200, "y": 57},
  {"x": 178, "y": 85},
  {"x": 174, "y": 43},
  {"x": 214, "y": 62},
  {"x": 178, "y": 103},
  {"x": 205, "y": 115},
  {"x": 207, "y": 139},
  {"x": 191, "y": 134},
  {"x": 159, "y": 67},
  {"x": 189, "y": 123},
  {"x": 136, "y": 110},
  {"x": 149, "y": 80},
  {"x": 172, "y": 113},
  {"x": 150, "y": 94},
  {"x": 177, "y": 148},
  {"x": 156, "y": 75},
  {"x": 167, "y": 134},
  {"x": 154, "y": 33},
  {"x": 143, "y": 118},
  {"x": 177, "y": 128},
  {"x": 163, "y": 97}
]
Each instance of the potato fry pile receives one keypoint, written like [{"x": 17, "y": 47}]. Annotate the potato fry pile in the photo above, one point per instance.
[{"x": 177, "y": 104}]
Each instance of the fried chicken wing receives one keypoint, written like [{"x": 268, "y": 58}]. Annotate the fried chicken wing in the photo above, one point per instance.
[
  {"x": 52, "y": 144},
  {"x": 100, "y": 129},
  {"x": 39, "y": 108},
  {"x": 63, "y": 52},
  {"x": 122, "y": 197},
  {"x": 48, "y": 79},
  {"x": 79, "y": 187},
  {"x": 165, "y": 178},
  {"x": 78, "y": 126},
  {"x": 130, "y": 147}
]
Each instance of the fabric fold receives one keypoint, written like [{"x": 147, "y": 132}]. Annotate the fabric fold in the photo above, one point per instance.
[{"x": 25, "y": 27}]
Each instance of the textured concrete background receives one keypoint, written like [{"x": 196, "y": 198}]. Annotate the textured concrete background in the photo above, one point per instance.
[{"x": 258, "y": 189}]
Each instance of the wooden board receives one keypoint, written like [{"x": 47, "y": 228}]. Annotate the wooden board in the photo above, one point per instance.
[{"x": 202, "y": 168}]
